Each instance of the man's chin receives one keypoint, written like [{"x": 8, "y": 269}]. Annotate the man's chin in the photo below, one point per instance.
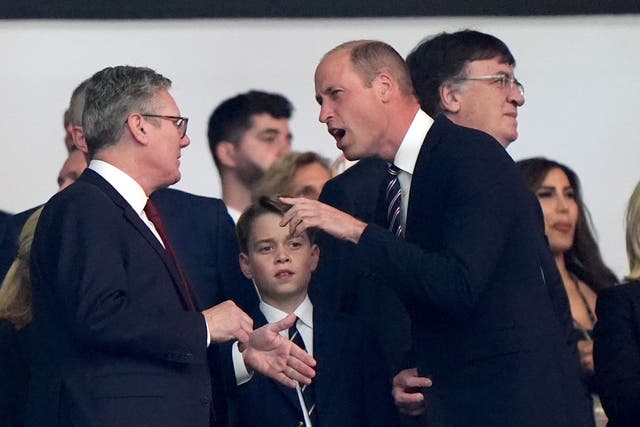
[{"x": 351, "y": 154}]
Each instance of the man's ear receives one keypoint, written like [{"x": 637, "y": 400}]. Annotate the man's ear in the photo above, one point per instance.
[
  {"x": 449, "y": 98},
  {"x": 77, "y": 135},
  {"x": 386, "y": 86},
  {"x": 138, "y": 128},
  {"x": 244, "y": 265},
  {"x": 226, "y": 153}
]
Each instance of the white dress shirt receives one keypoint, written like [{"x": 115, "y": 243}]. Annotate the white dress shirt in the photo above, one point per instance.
[
  {"x": 407, "y": 155},
  {"x": 234, "y": 214},
  {"x": 304, "y": 324}
]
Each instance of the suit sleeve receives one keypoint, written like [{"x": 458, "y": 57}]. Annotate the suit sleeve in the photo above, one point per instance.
[
  {"x": 85, "y": 268},
  {"x": 479, "y": 198},
  {"x": 617, "y": 354}
]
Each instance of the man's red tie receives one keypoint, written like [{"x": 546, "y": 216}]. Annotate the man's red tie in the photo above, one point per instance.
[{"x": 154, "y": 216}]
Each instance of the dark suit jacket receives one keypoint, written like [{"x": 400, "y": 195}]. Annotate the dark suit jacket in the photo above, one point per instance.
[
  {"x": 352, "y": 387},
  {"x": 14, "y": 373},
  {"x": 10, "y": 229},
  {"x": 488, "y": 311},
  {"x": 116, "y": 344},
  {"x": 616, "y": 353},
  {"x": 336, "y": 285},
  {"x": 203, "y": 236}
]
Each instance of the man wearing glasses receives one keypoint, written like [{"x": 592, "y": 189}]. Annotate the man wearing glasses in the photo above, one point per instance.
[
  {"x": 469, "y": 77},
  {"x": 119, "y": 336},
  {"x": 466, "y": 259}
]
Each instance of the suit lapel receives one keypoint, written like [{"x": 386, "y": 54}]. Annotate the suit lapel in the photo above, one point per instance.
[
  {"x": 134, "y": 219},
  {"x": 329, "y": 339}
]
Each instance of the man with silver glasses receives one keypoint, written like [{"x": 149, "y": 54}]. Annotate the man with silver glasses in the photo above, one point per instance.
[
  {"x": 119, "y": 336},
  {"x": 469, "y": 77}
]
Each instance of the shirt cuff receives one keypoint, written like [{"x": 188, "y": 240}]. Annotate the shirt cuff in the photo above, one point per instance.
[
  {"x": 241, "y": 371},
  {"x": 208, "y": 334}
]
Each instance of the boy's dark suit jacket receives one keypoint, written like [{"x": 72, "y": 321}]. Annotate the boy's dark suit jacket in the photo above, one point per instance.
[
  {"x": 352, "y": 387},
  {"x": 490, "y": 318},
  {"x": 115, "y": 344}
]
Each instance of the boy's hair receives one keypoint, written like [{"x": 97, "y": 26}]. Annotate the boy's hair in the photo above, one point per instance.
[{"x": 258, "y": 208}]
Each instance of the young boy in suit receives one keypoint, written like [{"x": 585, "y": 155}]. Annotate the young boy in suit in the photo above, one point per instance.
[{"x": 351, "y": 387}]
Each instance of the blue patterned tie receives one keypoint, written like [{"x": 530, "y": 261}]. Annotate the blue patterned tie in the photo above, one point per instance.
[{"x": 394, "y": 202}]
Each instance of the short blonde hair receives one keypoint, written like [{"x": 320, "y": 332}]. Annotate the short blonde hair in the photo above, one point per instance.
[
  {"x": 276, "y": 180},
  {"x": 15, "y": 293},
  {"x": 633, "y": 234}
]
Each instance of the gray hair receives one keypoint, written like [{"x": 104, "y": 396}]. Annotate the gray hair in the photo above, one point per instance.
[
  {"x": 76, "y": 104},
  {"x": 111, "y": 95}
]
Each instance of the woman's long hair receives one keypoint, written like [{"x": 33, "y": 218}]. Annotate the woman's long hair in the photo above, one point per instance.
[{"x": 583, "y": 257}]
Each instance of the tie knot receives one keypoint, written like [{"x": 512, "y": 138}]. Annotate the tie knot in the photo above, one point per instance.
[{"x": 151, "y": 210}]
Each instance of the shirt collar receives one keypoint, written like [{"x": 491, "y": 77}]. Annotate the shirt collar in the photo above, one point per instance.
[
  {"x": 128, "y": 188},
  {"x": 234, "y": 214},
  {"x": 409, "y": 149},
  {"x": 304, "y": 312}
]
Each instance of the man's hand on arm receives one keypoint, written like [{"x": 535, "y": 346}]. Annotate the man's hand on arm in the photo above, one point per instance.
[
  {"x": 272, "y": 355},
  {"x": 226, "y": 322},
  {"x": 406, "y": 391},
  {"x": 307, "y": 213}
]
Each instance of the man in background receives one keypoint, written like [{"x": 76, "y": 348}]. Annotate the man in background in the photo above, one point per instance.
[{"x": 247, "y": 134}]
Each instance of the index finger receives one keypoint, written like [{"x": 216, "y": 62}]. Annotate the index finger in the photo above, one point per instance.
[
  {"x": 417, "y": 382},
  {"x": 299, "y": 355}
]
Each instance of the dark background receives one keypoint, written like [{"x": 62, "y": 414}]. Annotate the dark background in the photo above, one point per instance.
[{"x": 175, "y": 9}]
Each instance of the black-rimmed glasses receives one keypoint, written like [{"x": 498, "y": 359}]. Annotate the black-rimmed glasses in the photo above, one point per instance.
[
  {"x": 503, "y": 80},
  {"x": 180, "y": 122}
]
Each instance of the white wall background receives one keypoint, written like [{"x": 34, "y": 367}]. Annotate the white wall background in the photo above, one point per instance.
[{"x": 580, "y": 73}]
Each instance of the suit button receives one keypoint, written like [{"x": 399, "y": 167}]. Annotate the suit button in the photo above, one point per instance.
[{"x": 204, "y": 401}]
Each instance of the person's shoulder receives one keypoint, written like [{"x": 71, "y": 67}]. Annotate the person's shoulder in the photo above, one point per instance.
[
  {"x": 629, "y": 288},
  {"x": 347, "y": 323},
  {"x": 368, "y": 173},
  {"x": 172, "y": 195},
  {"x": 467, "y": 141},
  {"x": 365, "y": 168}
]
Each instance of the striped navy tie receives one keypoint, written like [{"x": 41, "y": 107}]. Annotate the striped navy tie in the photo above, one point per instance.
[
  {"x": 308, "y": 390},
  {"x": 394, "y": 202}
]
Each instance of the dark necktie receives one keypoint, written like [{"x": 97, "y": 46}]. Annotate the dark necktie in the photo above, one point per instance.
[
  {"x": 308, "y": 392},
  {"x": 154, "y": 216},
  {"x": 393, "y": 198}
]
